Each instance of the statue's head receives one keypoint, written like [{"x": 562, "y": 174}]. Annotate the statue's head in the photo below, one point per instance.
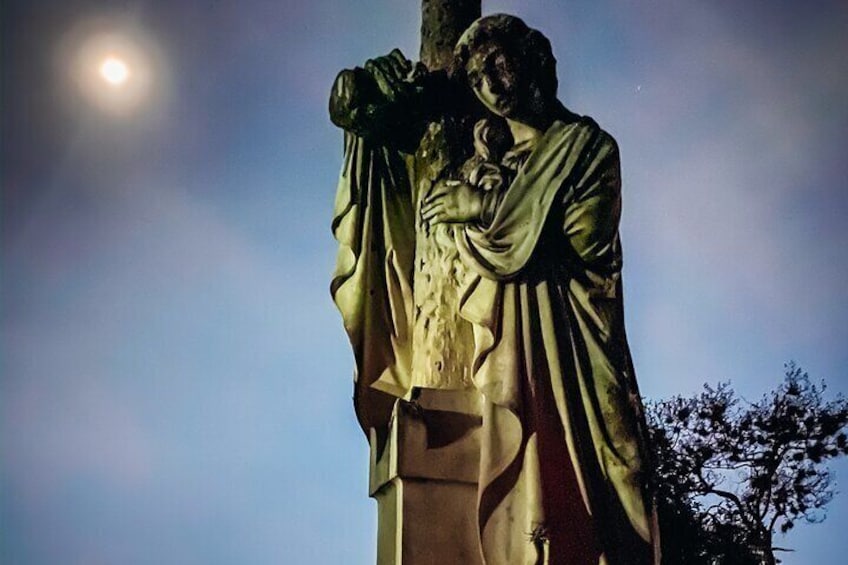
[{"x": 509, "y": 66}]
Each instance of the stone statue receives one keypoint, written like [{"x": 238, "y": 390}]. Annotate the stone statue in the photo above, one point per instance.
[{"x": 477, "y": 220}]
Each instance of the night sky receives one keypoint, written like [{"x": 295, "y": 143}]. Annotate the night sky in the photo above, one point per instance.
[{"x": 175, "y": 383}]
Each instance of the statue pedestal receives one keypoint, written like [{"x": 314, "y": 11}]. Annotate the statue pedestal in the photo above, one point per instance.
[{"x": 425, "y": 481}]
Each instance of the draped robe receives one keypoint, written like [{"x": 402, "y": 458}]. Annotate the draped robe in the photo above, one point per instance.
[{"x": 563, "y": 451}]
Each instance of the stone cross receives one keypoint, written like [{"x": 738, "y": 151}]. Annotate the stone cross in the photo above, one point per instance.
[{"x": 425, "y": 476}]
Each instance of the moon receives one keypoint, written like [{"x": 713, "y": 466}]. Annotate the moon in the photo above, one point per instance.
[
  {"x": 114, "y": 71},
  {"x": 117, "y": 68}
]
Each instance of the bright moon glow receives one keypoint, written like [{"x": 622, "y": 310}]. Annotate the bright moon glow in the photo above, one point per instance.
[
  {"x": 114, "y": 71},
  {"x": 120, "y": 71}
]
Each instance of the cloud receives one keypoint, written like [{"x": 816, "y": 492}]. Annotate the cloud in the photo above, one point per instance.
[{"x": 163, "y": 363}]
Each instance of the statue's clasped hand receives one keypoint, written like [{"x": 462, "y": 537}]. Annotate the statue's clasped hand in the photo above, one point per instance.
[
  {"x": 393, "y": 73},
  {"x": 452, "y": 201}
]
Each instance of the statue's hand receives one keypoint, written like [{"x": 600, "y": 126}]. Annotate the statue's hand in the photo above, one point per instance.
[
  {"x": 452, "y": 201},
  {"x": 391, "y": 73},
  {"x": 383, "y": 102}
]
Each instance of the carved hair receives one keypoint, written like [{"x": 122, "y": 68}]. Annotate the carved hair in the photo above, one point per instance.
[{"x": 525, "y": 45}]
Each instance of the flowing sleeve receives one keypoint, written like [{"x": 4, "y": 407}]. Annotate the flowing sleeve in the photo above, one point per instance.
[
  {"x": 593, "y": 209},
  {"x": 373, "y": 222}
]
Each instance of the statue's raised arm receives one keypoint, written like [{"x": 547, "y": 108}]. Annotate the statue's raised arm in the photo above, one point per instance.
[{"x": 407, "y": 128}]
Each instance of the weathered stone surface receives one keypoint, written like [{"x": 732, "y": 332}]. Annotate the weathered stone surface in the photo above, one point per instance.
[
  {"x": 425, "y": 481},
  {"x": 442, "y": 22}
]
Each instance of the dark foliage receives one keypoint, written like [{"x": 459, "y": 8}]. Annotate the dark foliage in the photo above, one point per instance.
[{"x": 730, "y": 473}]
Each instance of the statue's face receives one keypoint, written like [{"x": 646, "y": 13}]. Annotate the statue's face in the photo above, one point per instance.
[{"x": 493, "y": 75}]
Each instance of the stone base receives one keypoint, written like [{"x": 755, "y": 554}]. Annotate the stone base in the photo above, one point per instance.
[{"x": 425, "y": 481}]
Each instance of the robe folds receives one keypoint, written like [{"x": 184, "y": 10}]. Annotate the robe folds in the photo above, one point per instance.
[{"x": 563, "y": 461}]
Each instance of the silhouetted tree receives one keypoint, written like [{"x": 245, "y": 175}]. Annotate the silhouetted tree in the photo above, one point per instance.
[{"x": 730, "y": 473}]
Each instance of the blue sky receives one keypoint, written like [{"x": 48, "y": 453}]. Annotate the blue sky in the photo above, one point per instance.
[{"x": 175, "y": 384}]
